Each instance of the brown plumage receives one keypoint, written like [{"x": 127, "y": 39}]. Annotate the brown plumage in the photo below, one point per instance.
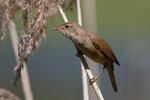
[
  {"x": 101, "y": 45},
  {"x": 92, "y": 45}
]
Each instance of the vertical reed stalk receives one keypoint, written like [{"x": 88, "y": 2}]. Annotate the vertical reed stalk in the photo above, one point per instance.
[{"x": 24, "y": 74}]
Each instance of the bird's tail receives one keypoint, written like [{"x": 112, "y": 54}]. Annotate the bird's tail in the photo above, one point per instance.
[{"x": 110, "y": 69}]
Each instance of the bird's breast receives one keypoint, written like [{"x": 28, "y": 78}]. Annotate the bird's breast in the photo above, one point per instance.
[{"x": 91, "y": 53}]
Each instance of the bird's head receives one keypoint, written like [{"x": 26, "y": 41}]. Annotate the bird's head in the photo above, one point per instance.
[{"x": 69, "y": 29}]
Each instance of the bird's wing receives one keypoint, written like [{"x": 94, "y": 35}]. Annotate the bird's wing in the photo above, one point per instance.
[{"x": 100, "y": 44}]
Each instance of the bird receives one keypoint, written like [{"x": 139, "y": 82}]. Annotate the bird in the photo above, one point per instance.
[{"x": 93, "y": 46}]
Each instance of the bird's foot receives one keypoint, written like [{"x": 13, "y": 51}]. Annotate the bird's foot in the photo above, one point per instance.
[{"x": 92, "y": 80}]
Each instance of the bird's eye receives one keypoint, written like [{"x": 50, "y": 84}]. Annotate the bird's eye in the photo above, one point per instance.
[{"x": 66, "y": 26}]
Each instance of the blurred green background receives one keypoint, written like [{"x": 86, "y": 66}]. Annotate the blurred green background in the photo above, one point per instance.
[{"x": 55, "y": 70}]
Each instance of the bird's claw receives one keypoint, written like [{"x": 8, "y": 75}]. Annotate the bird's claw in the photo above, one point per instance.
[{"x": 92, "y": 80}]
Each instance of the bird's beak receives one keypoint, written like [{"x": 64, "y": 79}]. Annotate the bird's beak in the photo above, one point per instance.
[{"x": 55, "y": 28}]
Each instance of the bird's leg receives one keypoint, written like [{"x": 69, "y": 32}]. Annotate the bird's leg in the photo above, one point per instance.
[
  {"x": 79, "y": 53},
  {"x": 94, "y": 79}
]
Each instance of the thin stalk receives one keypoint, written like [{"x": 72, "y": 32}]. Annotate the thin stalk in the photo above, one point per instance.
[
  {"x": 90, "y": 75},
  {"x": 89, "y": 14},
  {"x": 24, "y": 74},
  {"x": 83, "y": 72},
  {"x": 62, "y": 13},
  {"x": 88, "y": 71}
]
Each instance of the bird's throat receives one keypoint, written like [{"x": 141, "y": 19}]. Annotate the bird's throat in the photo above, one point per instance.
[{"x": 76, "y": 38}]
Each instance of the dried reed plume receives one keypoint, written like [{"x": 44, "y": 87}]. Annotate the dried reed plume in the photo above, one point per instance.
[
  {"x": 34, "y": 17},
  {"x": 7, "y": 95},
  {"x": 7, "y": 10},
  {"x": 33, "y": 34},
  {"x": 35, "y": 29}
]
